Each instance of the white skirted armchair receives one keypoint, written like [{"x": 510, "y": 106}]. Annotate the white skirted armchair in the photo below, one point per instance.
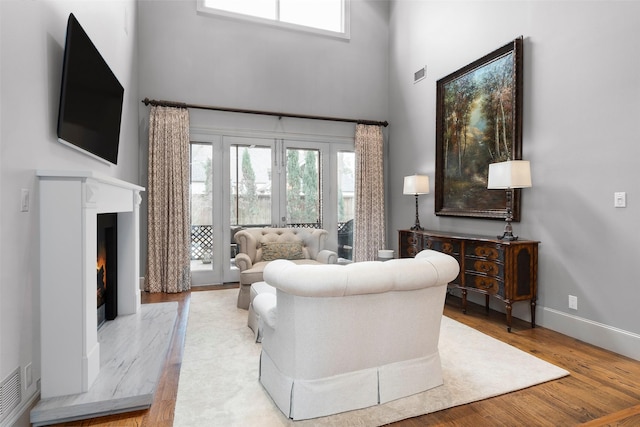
[
  {"x": 258, "y": 246},
  {"x": 338, "y": 338}
]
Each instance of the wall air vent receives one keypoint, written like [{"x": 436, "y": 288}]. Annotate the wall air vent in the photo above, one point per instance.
[
  {"x": 10, "y": 393},
  {"x": 420, "y": 74}
]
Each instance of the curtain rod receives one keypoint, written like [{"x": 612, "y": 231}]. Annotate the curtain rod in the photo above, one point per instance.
[{"x": 148, "y": 101}]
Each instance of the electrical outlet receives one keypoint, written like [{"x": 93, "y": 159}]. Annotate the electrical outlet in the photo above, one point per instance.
[{"x": 573, "y": 302}]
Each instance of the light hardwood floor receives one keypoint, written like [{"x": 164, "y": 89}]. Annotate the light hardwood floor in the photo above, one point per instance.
[{"x": 602, "y": 390}]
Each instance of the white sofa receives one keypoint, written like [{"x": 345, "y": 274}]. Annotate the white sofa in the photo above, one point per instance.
[
  {"x": 338, "y": 338},
  {"x": 255, "y": 243}
]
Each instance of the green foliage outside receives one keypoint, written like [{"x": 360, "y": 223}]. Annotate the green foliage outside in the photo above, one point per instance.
[
  {"x": 310, "y": 211},
  {"x": 295, "y": 203},
  {"x": 247, "y": 192},
  {"x": 302, "y": 187}
]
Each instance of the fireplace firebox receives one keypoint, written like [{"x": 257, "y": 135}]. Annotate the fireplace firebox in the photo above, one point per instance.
[{"x": 107, "y": 267}]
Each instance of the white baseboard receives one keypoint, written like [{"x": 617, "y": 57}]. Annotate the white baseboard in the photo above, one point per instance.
[{"x": 608, "y": 337}]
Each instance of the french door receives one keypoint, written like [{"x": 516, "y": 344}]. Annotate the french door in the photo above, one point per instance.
[{"x": 239, "y": 182}]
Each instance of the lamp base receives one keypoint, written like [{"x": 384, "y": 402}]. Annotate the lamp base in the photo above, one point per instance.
[
  {"x": 508, "y": 236},
  {"x": 508, "y": 230},
  {"x": 416, "y": 226}
]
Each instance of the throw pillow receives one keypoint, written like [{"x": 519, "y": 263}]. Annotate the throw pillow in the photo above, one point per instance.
[{"x": 282, "y": 250}]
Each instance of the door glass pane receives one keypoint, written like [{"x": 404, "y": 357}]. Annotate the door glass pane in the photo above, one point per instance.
[
  {"x": 250, "y": 181},
  {"x": 201, "y": 207},
  {"x": 346, "y": 203},
  {"x": 303, "y": 188}
]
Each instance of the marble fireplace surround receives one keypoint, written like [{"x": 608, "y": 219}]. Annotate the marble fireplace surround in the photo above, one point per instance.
[{"x": 69, "y": 204}]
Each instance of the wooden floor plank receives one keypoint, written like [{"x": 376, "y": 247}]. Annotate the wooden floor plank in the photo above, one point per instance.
[
  {"x": 602, "y": 389},
  {"x": 626, "y": 417}
]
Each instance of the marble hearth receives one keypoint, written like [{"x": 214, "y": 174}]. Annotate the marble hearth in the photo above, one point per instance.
[
  {"x": 133, "y": 353},
  {"x": 69, "y": 204}
]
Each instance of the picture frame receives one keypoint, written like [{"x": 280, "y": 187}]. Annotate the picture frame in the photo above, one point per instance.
[{"x": 478, "y": 122}]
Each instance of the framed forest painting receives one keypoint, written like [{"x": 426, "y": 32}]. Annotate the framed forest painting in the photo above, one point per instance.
[{"x": 478, "y": 122}]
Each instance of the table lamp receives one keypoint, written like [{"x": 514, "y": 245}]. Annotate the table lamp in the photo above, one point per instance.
[
  {"x": 416, "y": 185},
  {"x": 507, "y": 176}
]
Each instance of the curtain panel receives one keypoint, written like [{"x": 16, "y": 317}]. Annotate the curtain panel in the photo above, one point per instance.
[
  {"x": 369, "y": 227},
  {"x": 168, "y": 238}
]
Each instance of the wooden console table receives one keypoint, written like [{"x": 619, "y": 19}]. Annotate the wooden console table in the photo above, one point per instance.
[{"x": 503, "y": 269}]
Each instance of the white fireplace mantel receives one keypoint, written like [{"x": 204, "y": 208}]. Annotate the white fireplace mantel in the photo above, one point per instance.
[{"x": 69, "y": 204}]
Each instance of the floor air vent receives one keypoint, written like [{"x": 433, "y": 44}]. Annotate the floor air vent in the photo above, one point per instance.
[{"x": 10, "y": 397}]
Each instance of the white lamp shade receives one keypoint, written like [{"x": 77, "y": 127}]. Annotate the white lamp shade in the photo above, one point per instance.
[
  {"x": 509, "y": 174},
  {"x": 416, "y": 184}
]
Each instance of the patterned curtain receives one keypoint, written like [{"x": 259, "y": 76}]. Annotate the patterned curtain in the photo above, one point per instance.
[
  {"x": 369, "y": 230},
  {"x": 168, "y": 238}
]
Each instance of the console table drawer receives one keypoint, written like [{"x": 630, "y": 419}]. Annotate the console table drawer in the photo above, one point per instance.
[
  {"x": 490, "y": 285},
  {"x": 484, "y": 250},
  {"x": 447, "y": 246},
  {"x": 489, "y": 268},
  {"x": 410, "y": 244}
]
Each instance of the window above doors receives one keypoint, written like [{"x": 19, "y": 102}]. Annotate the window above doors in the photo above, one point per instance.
[{"x": 325, "y": 17}]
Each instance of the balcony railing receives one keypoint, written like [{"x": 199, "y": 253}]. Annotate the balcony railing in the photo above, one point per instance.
[{"x": 201, "y": 240}]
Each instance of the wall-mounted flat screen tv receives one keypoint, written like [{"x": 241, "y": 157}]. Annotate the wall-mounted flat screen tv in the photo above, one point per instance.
[{"x": 90, "y": 98}]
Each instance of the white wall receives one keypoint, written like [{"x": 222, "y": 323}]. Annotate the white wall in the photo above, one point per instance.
[
  {"x": 581, "y": 110},
  {"x": 32, "y": 44},
  {"x": 202, "y": 59}
]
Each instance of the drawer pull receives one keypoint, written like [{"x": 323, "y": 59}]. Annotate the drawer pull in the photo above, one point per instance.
[{"x": 486, "y": 267}]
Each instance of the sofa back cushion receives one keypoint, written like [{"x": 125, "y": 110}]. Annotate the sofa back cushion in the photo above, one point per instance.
[{"x": 428, "y": 269}]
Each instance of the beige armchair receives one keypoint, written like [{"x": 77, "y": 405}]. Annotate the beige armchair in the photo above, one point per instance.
[{"x": 258, "y": 246}]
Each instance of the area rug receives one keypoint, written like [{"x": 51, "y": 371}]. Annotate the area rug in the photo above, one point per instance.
[{"x": 219, "y": 377}]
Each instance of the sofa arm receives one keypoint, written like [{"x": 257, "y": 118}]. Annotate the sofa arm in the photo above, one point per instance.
[
  {"x": 446, "y": 265},
  {"x": 327, "y": 257},
  {"x": 266, "y": 307},
  {"x": 243, "y": 262}
]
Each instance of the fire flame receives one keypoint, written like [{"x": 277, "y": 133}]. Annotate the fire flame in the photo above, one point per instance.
[
  {"x": 101, "y": 273},
  {"x": 102, "y": 264}
]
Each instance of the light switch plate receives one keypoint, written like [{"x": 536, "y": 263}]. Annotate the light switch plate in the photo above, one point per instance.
[
  {"x": 24, "y": 200},
  {"x": 620, "y": 199}
]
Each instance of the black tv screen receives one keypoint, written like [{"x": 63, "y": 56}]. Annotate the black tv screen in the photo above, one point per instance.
[{"x": 90, "y": 98}]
